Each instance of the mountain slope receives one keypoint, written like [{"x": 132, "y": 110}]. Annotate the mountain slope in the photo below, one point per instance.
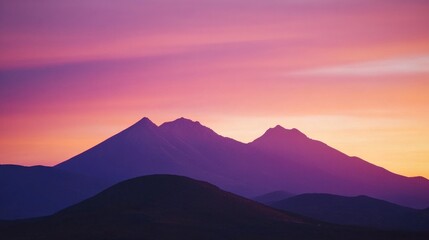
[
  {"x": 38, "y": 191},
  {"x": 137, "y": 150},
  {"x": 361, "y": 211},
  {"x": 173, "y": 207},
  {"x": 353, "y": 175}
]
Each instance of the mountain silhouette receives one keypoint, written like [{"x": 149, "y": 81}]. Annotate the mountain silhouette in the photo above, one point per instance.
[
  {"x": 38, "y": 191},
  {"x": 180, "y": 147},
  {"x": 280, "y": 160},
  {"x": 360, "y": 211},
  {"x": 174, "y": 207},
  {"x": 349, "y": 176}
]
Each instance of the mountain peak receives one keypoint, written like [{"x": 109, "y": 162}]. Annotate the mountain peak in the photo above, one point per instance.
[
  {"x": 187, "y": 128},
  {"x": 279, "y": 128},
  {"x": 279, "y": 131},
  {"x": 145, "y": 122},
  {"x": 281, "y": 134},
  {"x": 144, "y": 125},
  {"x": 185, "y": 122},
  {"x": 182, "y": 123}
]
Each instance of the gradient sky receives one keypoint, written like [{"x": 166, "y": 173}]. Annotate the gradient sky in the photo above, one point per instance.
[{"x": 353, "y": 74}]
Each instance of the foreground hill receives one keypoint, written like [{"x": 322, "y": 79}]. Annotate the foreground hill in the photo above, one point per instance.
[
  {"x": 173, "y": 207},
  {"x": 360, "y": 211},
  {"x": 38, "y": 191}
]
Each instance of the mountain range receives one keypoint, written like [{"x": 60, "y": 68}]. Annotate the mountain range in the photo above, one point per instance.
[
  {"x": 175, "y": 207},
  {"x": 280, "y": 160}
]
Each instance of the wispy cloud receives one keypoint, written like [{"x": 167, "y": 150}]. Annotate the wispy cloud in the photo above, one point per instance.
[{"x": 411, "y": 65}]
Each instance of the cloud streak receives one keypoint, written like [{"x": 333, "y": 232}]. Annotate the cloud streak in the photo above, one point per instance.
[{"x": 413, "y": 65}]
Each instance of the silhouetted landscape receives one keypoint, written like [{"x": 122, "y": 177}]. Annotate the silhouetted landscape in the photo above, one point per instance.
[
  {"x": 173, "y": 207},
  {"x": 280, "y": 160},
  {"x": 277, "y": 168},
  {"x": 214, "y": 119}
]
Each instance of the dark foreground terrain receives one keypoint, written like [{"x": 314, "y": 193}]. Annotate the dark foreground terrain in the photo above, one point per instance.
[
  {"x": 173, "y": 207},
  {"x": 359, "y": 211}
]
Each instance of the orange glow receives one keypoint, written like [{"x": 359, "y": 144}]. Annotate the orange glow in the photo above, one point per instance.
[{"x": 342, "y": 72}]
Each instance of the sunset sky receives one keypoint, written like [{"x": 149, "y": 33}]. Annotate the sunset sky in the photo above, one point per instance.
[{"x": 353, "y": 74}]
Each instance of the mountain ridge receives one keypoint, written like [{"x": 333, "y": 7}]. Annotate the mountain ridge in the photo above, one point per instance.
[
  {"x": 281, "y": 159},
  {"x": 274, "y": 163}
]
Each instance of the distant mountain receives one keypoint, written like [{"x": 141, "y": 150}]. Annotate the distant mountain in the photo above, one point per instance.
[
  {"x": 359, "y": 211},
  {"x": 281, "y": 159},
  {"x": 273, "y": 197},
  {"x": 173, "y": 207},
  {"x": 38, "y": 191},
  {"x": 351, "y": 175}
]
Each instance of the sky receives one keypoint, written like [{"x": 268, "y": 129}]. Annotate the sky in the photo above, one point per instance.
[{"x": 353, "y": 74}]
